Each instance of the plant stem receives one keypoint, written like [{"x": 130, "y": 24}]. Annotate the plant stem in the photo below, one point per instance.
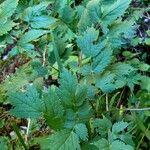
[
  {"x": 19, "y": 136},
  {"x": 142, "y": 138},
  {"x": 107, "y": 108},
  {"x": 131, "y": 109},
  {"x": 27, "y": 131}
]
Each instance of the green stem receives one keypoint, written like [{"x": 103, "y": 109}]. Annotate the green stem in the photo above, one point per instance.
[
  {"x": 142, "y": 138},
  {"x": 107, "y": 105},
  {"x": 130, "y": 109},
  {"x": 19, "y": 136}
]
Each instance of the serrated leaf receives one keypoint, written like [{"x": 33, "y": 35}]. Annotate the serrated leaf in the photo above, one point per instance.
[
  {"x": 27, "y": 104},
  {"x": 102, "y": 126},
  {"x": 67, "y": 89},
  {"x": 54, "y": 110},
  {"x": 106, "y": 83},
  {"x": 127, "y": 28},
  {"x": 121, "y": 69},
  {"x": 108, "y": 2},
  {"x": 132, "y": 80},
  {"x": 85, "y": 42},
  {"x": 34, "y": 11},
  {"x": 62, "y": 140},
  {"x": 81, "y": 131},
  {"x": 114, "y": 11},
  {"x": 102, "y": 61},
  {"x": 67, "y": 14},
  {"x": 7, "y": 8},
  {"x": 102, "y": 144},
  {"x": 6, "y": 26},
  {"x": 91, "y": 15},
  {"x": 118, "y": 145},
  {"x": 32, "y": 35},
  {"x": 99, "y": 64},
  {"x": 81, "y": 94},
  {"x": 119, "y": 126},
  {"x": 42, "y": 22}
]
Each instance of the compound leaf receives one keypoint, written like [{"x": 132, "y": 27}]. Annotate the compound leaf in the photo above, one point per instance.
[
  {"x": 114, "y": 11},
  {"x": 81, "y": 131},
  {"x": 62, "y": 140},
  {"x": 31, "y": 35},
  {"x": 7, "y": 8},
  {"x": 27, "y": 104}
]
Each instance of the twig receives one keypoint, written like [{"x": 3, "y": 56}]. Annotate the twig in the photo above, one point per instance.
[
  {"x": 139, "y": 143},
  {"x": 131, "y": 109},
  {"x": 107, "y": 108},
  {"x": 120, "y": 97},
  {"x": 27, "y": 131},
  {"x": 44, "y": 57},
  {"x": 19, "y": 136}
]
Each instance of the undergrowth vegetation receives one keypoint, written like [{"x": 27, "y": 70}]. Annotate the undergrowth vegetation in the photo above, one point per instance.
[{"x": 75, "y": 74}]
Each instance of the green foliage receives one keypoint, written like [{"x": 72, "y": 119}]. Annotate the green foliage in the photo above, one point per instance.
[
  {"x": 78, "y": 70},
  {"x": 61, "y": 140},
  {"x": 7, "y": 8},
  {"x": 114, "y": 139},
  {"x": 81, "y": 131},
  {"x": 30, "y": 101},
  {"x": 115, "y": 10}
]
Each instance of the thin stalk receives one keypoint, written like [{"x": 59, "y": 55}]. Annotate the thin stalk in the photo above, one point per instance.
[
  {"x": 27, "y": 131},
  {"x": 139, "y": 143},
  {"x": 19, "y": 136},
  {"x": 131, "y": 109},
  {"x": 44, "y": 57},
  {"x": 107, "y": 107}
]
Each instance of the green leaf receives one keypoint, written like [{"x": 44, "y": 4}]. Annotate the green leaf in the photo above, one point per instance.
[
  {"x": 54, "y": 110},
  {"x": 91, "y": 15},
  {"x": 32, "y": 35},
  {"x": 81, "y": 131},
  {"x": 22, "y": 76},
  {"x": 118, "y": 145},
  {"x": 99, "y": 64},
  {"x": 42, "y": 22},
  {"x": 106, "y": 83},
  {"x": 102, "y": 60},
  {"x": 62, "y": 140},
  {"x": 133, "y": 79},
  {"x": 81, "y": 94},
  {"x": 114, "y": 11},
  {"x": 145, "y": 83},
  {"x": 147, "y": 41},
  {"x": 6, "y": 26},
  {"x": 144, "y": 67},
  {"x": 121, "y": 69},
  {"x": 34, "y": 11},
  {"x": 27, "y": 104},
  {"x": 7, "y": 8},
  {"x": 85, "y": 42},
  {"x": 119, "y": 126},
  {"x": 102, "y": 126},
  {"x": 5, "y": 143},
  {"x": 67, "y": 14},
  {"x": 67, "y": 89},
  {"x": 102, "y": 144},
  {"x": 148, "y": 32},
  {"x": 108, "y": 2}
]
